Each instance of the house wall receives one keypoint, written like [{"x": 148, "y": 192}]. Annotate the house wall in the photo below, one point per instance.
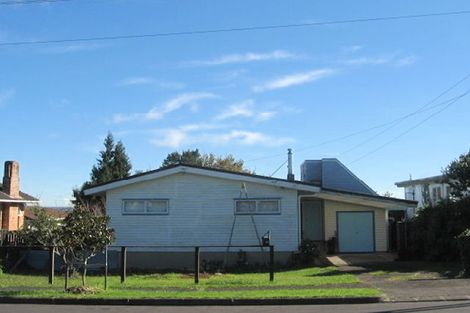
[
  {"x": 201, "y": 212},
  {"x": 380, "y": 215}
]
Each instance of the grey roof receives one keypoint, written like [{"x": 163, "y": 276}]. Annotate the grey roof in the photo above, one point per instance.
[
  {"x": 23, "y": 196},
  {"x": 432, "y": 179},
  {"x": 332, "y": 174}
]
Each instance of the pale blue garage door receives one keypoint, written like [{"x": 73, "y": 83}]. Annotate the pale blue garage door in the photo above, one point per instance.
[{"x": 355, "y": 231}]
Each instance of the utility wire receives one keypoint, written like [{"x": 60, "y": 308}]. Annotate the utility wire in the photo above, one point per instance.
[
  {"x": 410, "y": 129},
  {"x": 398, "y": 121},
  {"x": 230, "y": 30},
  {"x": 394, "y": 122},
  {"x": 278, "y": 168}
]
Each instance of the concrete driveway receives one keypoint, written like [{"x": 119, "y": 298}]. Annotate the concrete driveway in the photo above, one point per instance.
[{"x": 406, "y": 281}]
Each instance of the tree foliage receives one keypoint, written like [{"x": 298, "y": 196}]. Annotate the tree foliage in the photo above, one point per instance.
[
  {"x": 76, "y": 239},
  {"x": 194, "y": 157},
  {"x": 112, "y": 164},
  {"x": 436, "y": 227},
  {"x": 458, "y": 176}
]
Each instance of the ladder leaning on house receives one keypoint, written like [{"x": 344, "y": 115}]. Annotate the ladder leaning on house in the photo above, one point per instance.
[{"x": 243, "y": 195}]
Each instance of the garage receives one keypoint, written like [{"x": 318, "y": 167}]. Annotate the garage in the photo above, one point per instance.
[{"x": 355, "y": 231}]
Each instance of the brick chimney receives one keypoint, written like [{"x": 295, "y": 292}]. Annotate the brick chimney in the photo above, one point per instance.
[
  {"x": 12, "y": 215},
  {"x": 11, "y": 179}
]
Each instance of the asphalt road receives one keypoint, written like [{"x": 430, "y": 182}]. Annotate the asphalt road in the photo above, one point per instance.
[{"x": 438, "y": 307}]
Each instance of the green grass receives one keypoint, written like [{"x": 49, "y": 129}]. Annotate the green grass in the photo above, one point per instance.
[{"x": 304, "y": 283}]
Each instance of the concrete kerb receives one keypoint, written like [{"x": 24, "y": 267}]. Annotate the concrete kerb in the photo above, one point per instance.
[{"x": 191, "y": 302}]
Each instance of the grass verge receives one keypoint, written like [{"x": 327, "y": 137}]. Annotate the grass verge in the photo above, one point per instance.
[{"x": 305, "y": 283}]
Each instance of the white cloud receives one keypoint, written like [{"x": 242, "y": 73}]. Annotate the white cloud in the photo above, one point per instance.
[
  {"x": 248, "y": 57},
  {"x": 5, "y": 96},
  {"x": 176, "y": 138},
  {"x": 408, "y": 60},
  {"x": 395, "y": 60},
  {"x": 367, "y": 61},
  {"x": 294, "y": 79},
  {"x": 353, "y": 48},
  {"x": 160, "y": 111},
  {"x": 146, "y": 80},
  {"x": 245, "y": 109},
  {"x": 243, "y": 137},
  {"x": 241, "y": 109}
]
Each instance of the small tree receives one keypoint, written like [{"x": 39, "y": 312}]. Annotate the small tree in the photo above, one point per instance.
[
  {"x": 89, "y": 234},
  {"x": 76, "y": 239}
]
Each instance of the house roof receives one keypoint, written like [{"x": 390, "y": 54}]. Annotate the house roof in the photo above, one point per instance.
[
  {"x": 57, "y": 213},
  {"x": 333, "y": 174},
  {"x": 426, "y": 180},
  {"x": 306, "y": 188},
  {"x": 24, "y": 197},
  {"x": 201, "y": 170}
]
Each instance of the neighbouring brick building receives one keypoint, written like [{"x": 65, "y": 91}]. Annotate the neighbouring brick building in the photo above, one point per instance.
[{"x": 12, "y": 200}]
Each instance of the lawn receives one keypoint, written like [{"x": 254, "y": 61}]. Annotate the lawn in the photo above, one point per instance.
[{"x": 304, "y": 283}]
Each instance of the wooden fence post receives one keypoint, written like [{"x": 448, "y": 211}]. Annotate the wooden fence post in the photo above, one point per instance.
[
  {"x": 196, "y": 265},
  {"x": 51, "y": 264},
  {"x": 271, "y": 263},
  {"x": 106, "y": 268},
  {"x": 123, "y": 264}
]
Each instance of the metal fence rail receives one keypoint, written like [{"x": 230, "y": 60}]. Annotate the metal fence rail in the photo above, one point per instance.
[{"x": 124, "y": 258}]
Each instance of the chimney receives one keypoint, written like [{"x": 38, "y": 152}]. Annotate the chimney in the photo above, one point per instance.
[
  {"x": 11, "y": 179},
  {"x": 290, "y": 175}
]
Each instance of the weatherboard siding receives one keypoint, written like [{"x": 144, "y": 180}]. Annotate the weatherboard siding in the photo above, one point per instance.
[
  {"x": 201, "y": 212},
  {"x": 380, "y": 221}
]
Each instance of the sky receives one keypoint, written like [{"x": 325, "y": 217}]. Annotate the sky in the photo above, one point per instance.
[{"x": 359, "y": 92}]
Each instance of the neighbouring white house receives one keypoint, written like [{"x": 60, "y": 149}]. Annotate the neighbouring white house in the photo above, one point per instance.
[
  {"x": 425, "y": 190},
  {"x": 183, "y": 206}
]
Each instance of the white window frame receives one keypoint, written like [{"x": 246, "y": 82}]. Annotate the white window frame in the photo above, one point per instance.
[
  {"x": 145, "y": 212},
  {"x": 257, "y": 201}
]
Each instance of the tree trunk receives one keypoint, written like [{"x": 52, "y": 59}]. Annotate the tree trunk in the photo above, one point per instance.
[
  {"x": 67, "y": 274},
  {"x": 85, "y": 264}
]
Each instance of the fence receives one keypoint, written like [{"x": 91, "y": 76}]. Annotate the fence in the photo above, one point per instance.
[{"x": 124, "y": 256}]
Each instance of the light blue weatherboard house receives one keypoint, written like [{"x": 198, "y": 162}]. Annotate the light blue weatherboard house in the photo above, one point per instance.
[{"x": 186, "y": 205}]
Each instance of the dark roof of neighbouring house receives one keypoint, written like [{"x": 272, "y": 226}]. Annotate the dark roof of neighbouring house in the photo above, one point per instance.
[
  {"x": 23, "y": 196},
  {"x": 58, "y": 213},
  {"x": 432, "y": 179}
]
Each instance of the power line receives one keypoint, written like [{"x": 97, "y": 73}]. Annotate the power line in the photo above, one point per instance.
[
  {"x": 278, "y": 168},
  {"x": 229, "y": 30},
  {"x": 410, "y": 129},
  {"x": 393, "y": 123},
  {"x": 398, "y": 121}
]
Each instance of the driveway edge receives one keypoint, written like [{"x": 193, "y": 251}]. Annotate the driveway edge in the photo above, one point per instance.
[{"x": 191, "y": 302}]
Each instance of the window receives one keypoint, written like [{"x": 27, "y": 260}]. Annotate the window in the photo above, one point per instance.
[
  {"x": 257, "y": 206},
  {"x": 145, "y": 206},
  {"x": 436, "y": 194}
]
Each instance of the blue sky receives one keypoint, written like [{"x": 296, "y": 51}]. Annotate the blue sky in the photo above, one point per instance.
[{"x": 251, "y": 94}]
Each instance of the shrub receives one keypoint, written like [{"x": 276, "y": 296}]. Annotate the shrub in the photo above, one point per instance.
[
  {"x": 433, "y": 231},
  {"x": 308, "y": 250},
  {"x": 464, "y": 246}
]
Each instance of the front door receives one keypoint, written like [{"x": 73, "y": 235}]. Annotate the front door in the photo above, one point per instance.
[{"x": 312, "y": 220}]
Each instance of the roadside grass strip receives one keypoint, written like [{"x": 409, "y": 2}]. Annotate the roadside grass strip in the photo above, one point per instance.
[{"x": 315, "y": 282}]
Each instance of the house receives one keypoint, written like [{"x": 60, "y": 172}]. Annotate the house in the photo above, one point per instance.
[
  {"x": 183, "y": 206},
  {"x": 58, "y": 213},
  {"x": 428, "y": 190},
  {"x": 13, "y": 201}
]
